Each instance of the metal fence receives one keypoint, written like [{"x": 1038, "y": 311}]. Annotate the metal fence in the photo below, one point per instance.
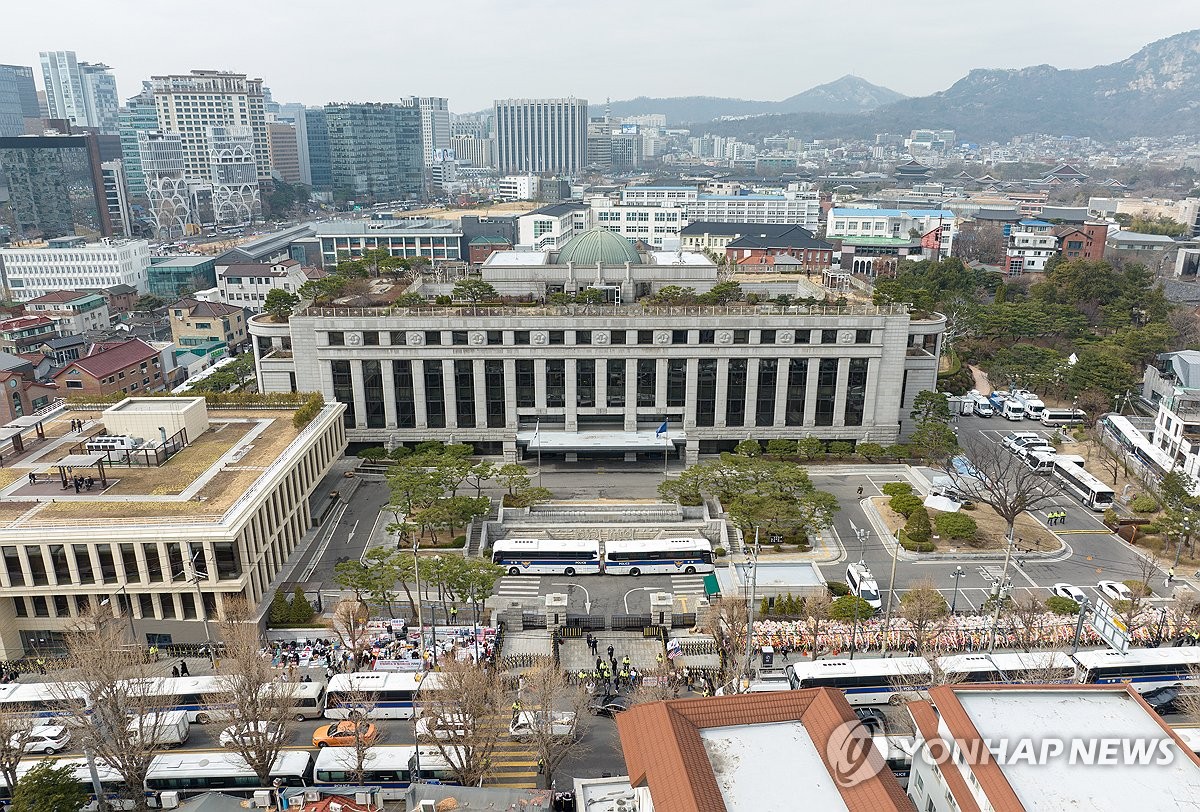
[
  {"x": 585, "y": 622},
  {"x": 533, "y": 621},
  {"x": 630, "y": 622}
]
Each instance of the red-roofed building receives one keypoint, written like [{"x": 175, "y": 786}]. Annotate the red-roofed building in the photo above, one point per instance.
[
  {"x": 23, "y": 333},
  {"x": 763, "y": 751},
  {"x": 195, "y": 323},
  {"x": 130, "y": 367}
]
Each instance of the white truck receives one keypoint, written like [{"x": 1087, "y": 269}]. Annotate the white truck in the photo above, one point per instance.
[
  {"x": 1031, "y": 404},
  {"x": 161, "y": 729},
  {"x": 980, "y": 405}
]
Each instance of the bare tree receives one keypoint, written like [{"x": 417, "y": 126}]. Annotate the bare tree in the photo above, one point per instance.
[
  {"x": 729, "y": 622},
  {"x": 913, "y": 682},
  {"x": 988, "y": 473},
  {"x": 359, "y": 705},
  {"x": 817, "y": 609},
  {"x": 555, "y": 707},
  {"x": 463, "y": 713},
  {"x": 112, "y": 684},
  {"x": 262, "y": 708},
  {"x": 926, "y": 611},
  {"x": 1027, "y": 616},
  {"x": 16, "y": 727},
  {"x": 1132, "y": 612},
  {"x": 349, "y": 623}
]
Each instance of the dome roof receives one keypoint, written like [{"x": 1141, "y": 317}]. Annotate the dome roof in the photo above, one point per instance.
[{"x": 598, "y": 245}]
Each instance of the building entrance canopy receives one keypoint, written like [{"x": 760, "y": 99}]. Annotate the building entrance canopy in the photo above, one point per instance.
[{"x": 576, "y": 441}]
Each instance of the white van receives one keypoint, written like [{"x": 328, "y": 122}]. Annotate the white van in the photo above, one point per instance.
[
  {"x": 862, "y": 583},
  {"x": 162, "y": 729}
]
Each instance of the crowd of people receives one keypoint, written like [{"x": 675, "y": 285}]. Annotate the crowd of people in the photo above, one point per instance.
[
  {"x": 386, "y": 646},
  {"x": 956, "y": 633}
]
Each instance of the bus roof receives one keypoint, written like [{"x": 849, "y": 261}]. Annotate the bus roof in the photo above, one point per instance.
[
  {"x": 369, "y": 681},
  {"x": 1188, "y": 655},
  {"x": 1084, "y": 476},
  {"x": 658, "y": 544},
  {"x": 292, "y": 762},
  {"x": 381, "y": 757},
  {"x": 18, "y": 692},
  {"x": 1006, "y": 661},
  {"x": 871, "y": 667},
  {"x": 546, "y": 544}
]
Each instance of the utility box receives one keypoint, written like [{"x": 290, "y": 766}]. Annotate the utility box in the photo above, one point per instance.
[
  {"x": 556, "y": 609},
  {"x": 156, "y": 419},
  {"x": 661, "y": 604}
]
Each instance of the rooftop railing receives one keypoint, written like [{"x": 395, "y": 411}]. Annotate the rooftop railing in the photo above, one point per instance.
[{"x": 608, "y": 311}]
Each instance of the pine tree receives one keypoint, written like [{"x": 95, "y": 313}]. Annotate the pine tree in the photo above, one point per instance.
[
  {"x": 918, "y": 528},
  {"x": 280, "y": 611},
  {"x": 300, "y": 610}
]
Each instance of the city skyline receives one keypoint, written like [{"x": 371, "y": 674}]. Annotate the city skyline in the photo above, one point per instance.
[{"x": 458, "y": 63}]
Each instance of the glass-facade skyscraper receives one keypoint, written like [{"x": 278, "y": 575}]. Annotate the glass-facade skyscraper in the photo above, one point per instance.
[
  {"x": 316, "y": 130},
  {"x": 137, "y": 114},
  {"x": 55, "y": 185},
  {"x": 18, "y": 99},
  {"x": 376, "y": 151}
]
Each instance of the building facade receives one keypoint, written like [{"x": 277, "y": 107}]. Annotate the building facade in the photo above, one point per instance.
[
  {"x": 435, "y": 126},
  {"x": 18, "y": 99},
  {"x": 316, "y": 135},
  {"x": 82, "y": 93},
  {"x": 163, "y": 166},
  {"x": 437, "y": 240},
  {"x": 552, "y": 226},
  {"x": 651, "y": 224},
  {"x": 189, "y": 104},
  {"x": 517, "y": 187},
  {"x": 234, "y": 175},
  {"x": 168, "y": 278},
  {"x": 375, "y": 151},
  {"x": 478, "y": 152},
  {"x": 116, "y": 198},
  {"x": 73, "y": 312},
  {"x": 73, "y": 264},
  {"x": 130, "y": 367},
  {"x": 541, "y": 136},
  {"x": 138, "y": 113},
  {"x": 247, "y": 285},
  {"x": 285, "y": 152},
  {"x": 23, "y": 333},
  {"x": 793, "y": 208},
  {"x": 55, "y": 185},
  {"x": 195, "y": 323}
]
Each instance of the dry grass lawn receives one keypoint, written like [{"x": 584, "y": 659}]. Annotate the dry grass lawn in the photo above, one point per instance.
[
  {"x": 992, "y": 530},
  {"x": 181, "y": 470}
]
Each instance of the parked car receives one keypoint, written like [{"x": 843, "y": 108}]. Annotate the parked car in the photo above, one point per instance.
[
  {"x": 872, "y": 719},
  {"x": 1114, "y": 590},
  {"x": 342, "y": 734},
  {"x": 1071, "y": 593},
  {"x": 1164, "y": 700},
  {"x": 610, "y": 705},
  {"x": 249, "y": 731},
  {"x": 45, "y": 739},
  {"x": 1009, "y": 439},
  {"x": 531, "y": 723},
  {"x": 1019, "y": 445},
  {"x": 449, "y": 726}
]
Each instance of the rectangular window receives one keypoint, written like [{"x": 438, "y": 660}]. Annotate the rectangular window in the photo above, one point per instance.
[
  {"x": 679, "y": 336},
  {"x": 406, "y": 400},
  {"x": 433, "y": 337},
  {"x": 796, "y": 385},
  {"x": 146, "y": 605},
  {"x": 557, "y": 337},
  {"x": 129, "y": 563},
  {"x": 856, "y": 391},
  {"x": 741, "y": 336},
  {"x": 862, "y": 336},
  {"x": 40, "y": 607},
  {"x": 829, "y": 336},
  {"x": 370, "y": 338},
  {"x": 12, "y": 565},
  {"x": 153, "y": 562},
  {"x": 583, "y": 336},
  {"x": 645, "y": 336},
  {"x": 493, "y": 387},
  {"x": 229, "y": 565},
  {"x": 735, "y": 393},
  {"x": 19, "y": 607},
  {"x": 372, "y": 372},
  {"x": 58, "y": 560},
  {"x": 521, "y": 337},
  {"x": 764, "y": 403},
  {"x": 803, "y": 336},
  {"x": 168, "y": 606},
  {"x": 706, "y": 392},
  {"x": 83, "y": 563},
  {"x": 435, "y": 396},
  {"x": 343, "y": 389},
  {"x": 108, "y": 567},
  {"x": 458, "y": 338},
  {"x": 526, "y": 390},
  {"x": 615, "y": 383},
  {"x": 647, "y": 381},
  {"x": 556, "y": 384},
  {"x": 826, "y": 390},
  {"x": 495, "y": 337},
  {"x": 398, "y": 338},
  {"x": 766, "y": 336},
  {"x": 464, "y": 393},
  {"x": 37, "y": 567},
  {"x": 585, "y": 382},
  {"x": 618, "y": 336},
  {"x": 187, "y": 602},
  {"x": 335, "y": 338},
  {"x": 676, "y": 382},
  {"x": 708, "y": 336}
]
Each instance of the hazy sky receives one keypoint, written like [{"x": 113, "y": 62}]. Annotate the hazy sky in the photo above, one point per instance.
[{"x": 473, "y": 51}]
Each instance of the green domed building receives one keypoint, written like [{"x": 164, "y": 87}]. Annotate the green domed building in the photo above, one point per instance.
[{"x": 598, "y": 246}]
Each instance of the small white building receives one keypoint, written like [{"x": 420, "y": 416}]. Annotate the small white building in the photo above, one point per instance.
[
  {"x": 512, "y": 188},
  {"x": 892, "y": 224},
  {"x": 550, "y": 227},
  {"x": 1031, "y": 243},
  {"x": 73, "y": 312},
  {"x": 73, "y": 263},
  {"x": 247, "y": 284},
  {"x": 790, "y": 207}
]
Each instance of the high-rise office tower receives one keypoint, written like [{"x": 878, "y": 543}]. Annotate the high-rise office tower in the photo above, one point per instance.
[
  {"x": 80, "y": 92},
  {"x": 163, "y": 170},
  {"x": 285, "y": 151},
  {"x": 55, "y": 185},
  {"x": 18, "y": 99},
  {"x": 316, "y": 153},
  {"x": 137, "y": 114},
  {"x": 541, "y": 136},
  {"x": 189, "y": 104},
  {"x": 116, "y": 198},
  {"x": 375, "y": 150},
  {"x": 234, "y": 175},
  {"x": 435, "y": 125}
]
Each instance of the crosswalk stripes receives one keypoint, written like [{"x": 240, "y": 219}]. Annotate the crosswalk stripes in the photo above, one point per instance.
[
  {"x": 513, "y": 762},
  {"x": 519, "y": 586},
  {"x": 687, "y": 584}
]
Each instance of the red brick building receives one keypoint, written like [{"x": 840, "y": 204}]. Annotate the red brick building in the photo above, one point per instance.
[
  {"x": 130, "y": 367},
  {"x": 1085, "y": 241},
  {"x": 758, "y": 247}
]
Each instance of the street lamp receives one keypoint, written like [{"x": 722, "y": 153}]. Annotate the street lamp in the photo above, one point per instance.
[{"x": 958, "y": 573}]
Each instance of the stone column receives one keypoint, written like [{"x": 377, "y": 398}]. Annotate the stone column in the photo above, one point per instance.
[
  {"x": 480, "y": 393},
  {"x": 630, "y": 395},
  {"x": 450, "y": 391},
  {"x": 360, "y": 394},
  {"x": 389, "y": 393},
  {"x": 810, "y": 391},
  {"x": 417, "y": 367},
  {"x": 689, "y": 409},
  {"x": 722, "y": 390},
  {"x": 782, "y": 368},
  {"x": 571, "y": 412},
  {"x": 839, "y": 394},
  {"x": 751, "y": 395}
]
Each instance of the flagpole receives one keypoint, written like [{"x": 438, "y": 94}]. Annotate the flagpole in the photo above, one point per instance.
[{"x": 537, "y": 428}]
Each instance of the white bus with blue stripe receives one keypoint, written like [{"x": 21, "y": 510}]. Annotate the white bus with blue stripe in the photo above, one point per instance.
[
  {"x": 1013, "y": 667},
  {"x": 1143, "y": 668},
  {"x": 390, "y": 768},
  {"x": 547, "y": 556},
  {"x": 40, "y": 699},
  {"x": 376, "y": 694},
  {"x": 188, "y": 774},
  {"x": 877, "y": 681},
  {"x": 672, "y": 556}
]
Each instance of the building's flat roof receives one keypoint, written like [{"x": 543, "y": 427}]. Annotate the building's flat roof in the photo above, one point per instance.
[
  {"x": 1082, "y": 716},
  {"x": 949, "y": 215},
  {"x": 180, "y": 262},
  {"x": 748, "y": 762},
  {"x": 197, "y": 485},
  {"x": 679, "y": 258},
  {"x": 384, "y": 228},
  {"x": 517, "y": 258},
  {"x": 155, "y": 405}
]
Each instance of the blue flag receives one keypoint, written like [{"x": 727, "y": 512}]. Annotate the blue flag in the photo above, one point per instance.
[{"x": 661, "y": 430}]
